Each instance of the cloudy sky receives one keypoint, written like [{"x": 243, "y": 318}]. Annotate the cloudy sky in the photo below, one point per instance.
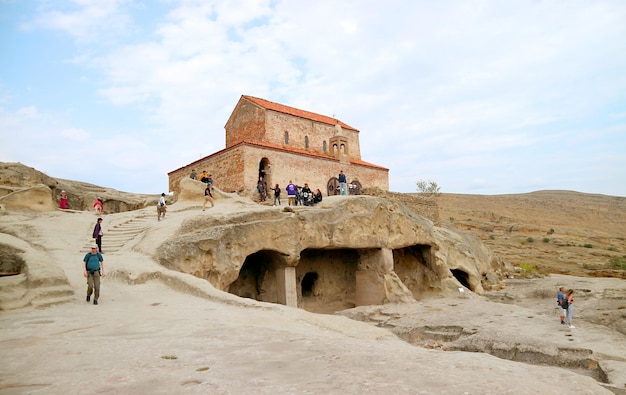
[{"x": 482, "y": 97}]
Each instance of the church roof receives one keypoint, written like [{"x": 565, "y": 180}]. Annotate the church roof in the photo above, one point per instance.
[
  {"x": 269, "y": 105},
  {"x": 292, "y": 150}
]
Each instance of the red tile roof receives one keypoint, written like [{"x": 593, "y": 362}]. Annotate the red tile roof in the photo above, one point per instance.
[
  {"x": 283, "y": 148},
  {"x": 297, "y": 112}
]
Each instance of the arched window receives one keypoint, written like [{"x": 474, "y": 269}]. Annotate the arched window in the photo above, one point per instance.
[
  {"x": 306, "y": 142},
  {"x": 325, "y": 147},
  {"x": 287, "y": 138}
]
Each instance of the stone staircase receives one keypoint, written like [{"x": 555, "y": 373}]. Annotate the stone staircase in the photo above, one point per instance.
[
  {"x": 119, "y": 236},
  {"x": 16, "y": 293}
]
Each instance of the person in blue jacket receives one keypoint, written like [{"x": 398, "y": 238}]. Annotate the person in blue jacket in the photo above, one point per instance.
[
  {"x": 342, "y": 183},
  {"x": 93, "y": 270}
]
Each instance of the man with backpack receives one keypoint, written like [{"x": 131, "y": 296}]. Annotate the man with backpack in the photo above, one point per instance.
[{"x": 93, "y": 270}]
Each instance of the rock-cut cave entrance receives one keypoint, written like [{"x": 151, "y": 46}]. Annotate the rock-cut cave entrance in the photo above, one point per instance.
[
  {"x": 461, "y": 277},
  {"x": 414, "y": 267},
  {"x": 308, "y": 283},
  {"x": 326, "y": 279},
  {"x": 259, "y": 277}
]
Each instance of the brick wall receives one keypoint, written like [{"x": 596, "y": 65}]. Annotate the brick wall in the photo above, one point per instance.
[
  {"x": 246, "y": 123},
  {"x": 237, "y": 169}
]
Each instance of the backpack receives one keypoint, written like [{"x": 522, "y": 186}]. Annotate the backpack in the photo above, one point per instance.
[{"x": 564, "y": 304}]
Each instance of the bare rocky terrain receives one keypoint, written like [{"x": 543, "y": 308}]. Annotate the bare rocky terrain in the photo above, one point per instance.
[
  {"x": 562, "y": 232},
  {"x": 159, "y": 330}
]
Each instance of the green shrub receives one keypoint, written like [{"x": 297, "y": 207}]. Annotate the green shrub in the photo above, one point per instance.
[
  {"x": 429, "y": 188},
  {"x": 530, "y": 240},
  {"x": 588, "y": 246},
  {"x": 551, "y": 231},
  {"x": 612, "y": 248},
  {"x": 546, "y": 240},
  {"x": 618, "y": 263},
  {"x": 528, "y": 267},
  {"x": 492, "y": 237}
]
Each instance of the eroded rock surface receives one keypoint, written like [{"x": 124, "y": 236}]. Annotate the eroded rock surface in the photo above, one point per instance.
[{"x": 345, "y": 251}]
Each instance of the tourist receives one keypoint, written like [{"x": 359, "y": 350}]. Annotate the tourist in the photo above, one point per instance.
[
  {"x": 63, "y": 200},
  {"x": 208, "y": 197},
  {"x": 209, "y": 181},
  {"x": 569, "y": 306},
  {"x": 276, "y": 190},
  {"x": 98, "y": 233},
  {"x": 261, "y": 187},
  {"x": 342, "y": 183},
  {"x": 161, "y": 207},
  {"x": 560, "y": 297},
  {"x": 203, "y": 177},
  {"x": 307, "y": 195},
  {"x": 93, "y": 270},
  {"x": 291, "y": 193},
  {"x": 318, "y": 196},
  {"x": 193, "y": 174},
  {"x": 98, "y": 205}
]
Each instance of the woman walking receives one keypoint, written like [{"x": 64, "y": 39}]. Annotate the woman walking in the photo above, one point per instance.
[{"x": 98, "y": 233}]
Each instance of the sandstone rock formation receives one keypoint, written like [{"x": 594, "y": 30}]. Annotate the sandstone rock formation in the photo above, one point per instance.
[
  {"x": 343, "y": 252},
  {"x": 348, "y": 251},
  {"x": 23, "y": 187}
]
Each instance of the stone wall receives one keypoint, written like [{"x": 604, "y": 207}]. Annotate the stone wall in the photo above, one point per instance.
[
  {"x": 246, "y": 123},
  {"x": 226, "y": 167},
  {"x": 299, "y": 129},
  {"x": 237, "y": 170},
  {"x": 249, "y": 122},
  {"x": 425, "y": 206}
]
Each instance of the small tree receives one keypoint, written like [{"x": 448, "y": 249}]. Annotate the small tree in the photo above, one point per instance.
[{"x": 429, "y": 188}]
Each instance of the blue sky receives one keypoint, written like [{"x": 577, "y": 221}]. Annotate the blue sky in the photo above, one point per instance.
[{"x": 482, "y": 97}]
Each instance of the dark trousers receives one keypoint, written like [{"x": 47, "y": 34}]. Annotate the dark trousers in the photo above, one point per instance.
[{"x": 99, "y": 243}]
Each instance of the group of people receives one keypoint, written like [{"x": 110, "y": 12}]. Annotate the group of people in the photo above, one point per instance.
[
  {"x": 207, "y": 179},
  {"x": 565, "y": 301},
  {"x": 296, "y": 195}
]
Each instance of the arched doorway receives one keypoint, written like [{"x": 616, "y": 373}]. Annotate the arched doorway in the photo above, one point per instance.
[
  {"x": 265, "y": 171},
  {"x": 332, "y": 188}
]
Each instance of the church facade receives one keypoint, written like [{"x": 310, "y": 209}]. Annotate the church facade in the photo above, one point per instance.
[{"x": 278, "y": 143}]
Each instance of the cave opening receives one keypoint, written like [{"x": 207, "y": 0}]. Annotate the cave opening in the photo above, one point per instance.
[
  {"x": 308, "y": 283},
  {"x": 461, "y": 277}
]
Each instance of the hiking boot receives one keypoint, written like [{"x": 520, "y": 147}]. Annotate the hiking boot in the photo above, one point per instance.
[
  {"x": 95, "y": 302},
  {"x": 88, "y": 298}
]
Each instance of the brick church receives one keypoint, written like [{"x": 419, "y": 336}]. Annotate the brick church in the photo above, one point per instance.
[{"x": 281, "y": 143}]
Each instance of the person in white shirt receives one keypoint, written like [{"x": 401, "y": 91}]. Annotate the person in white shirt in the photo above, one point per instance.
[{"x": 161, "y": 207}]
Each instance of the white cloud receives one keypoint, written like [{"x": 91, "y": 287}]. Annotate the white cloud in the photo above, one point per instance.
[
  {"x": 75, "y": 134},
  {"x": 27, "y": 112},
  {"x": 456, "y": 90},
  {"x": 88, "y": 20}
]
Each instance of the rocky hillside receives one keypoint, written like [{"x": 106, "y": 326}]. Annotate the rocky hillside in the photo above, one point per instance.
[{"x": 548, "y": 231}]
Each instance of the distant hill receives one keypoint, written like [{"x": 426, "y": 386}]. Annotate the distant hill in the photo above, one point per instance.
[{"x": 562, "y": 232}]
